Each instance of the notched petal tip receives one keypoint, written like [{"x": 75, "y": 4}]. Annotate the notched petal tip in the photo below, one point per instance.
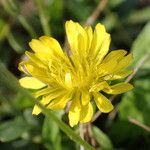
[
  {"x": 70, "y": 22},
  {"x": 32, "y": 42},
  {"x": 100, "y": 26}
]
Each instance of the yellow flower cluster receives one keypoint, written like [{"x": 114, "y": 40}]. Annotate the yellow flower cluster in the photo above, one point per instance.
[{"x": 78, "y": 77}]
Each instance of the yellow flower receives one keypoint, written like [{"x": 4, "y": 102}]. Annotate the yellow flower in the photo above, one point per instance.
[{"x": 78, "y": 77}]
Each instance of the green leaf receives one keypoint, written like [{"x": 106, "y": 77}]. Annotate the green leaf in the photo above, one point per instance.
[
  {"x": 138, "y": 16},
  {"x": 11, "y": 130},
  {"x": 136, "y": 104},
  {"x": 22, "y": 102},
  {"x": 141, "y": 45},
  {"x": 102, "y": 138},
  {"x": 51, "y": 133},
  {"x": 122, "y": 131},
  {"x": 115, "y": 3}
]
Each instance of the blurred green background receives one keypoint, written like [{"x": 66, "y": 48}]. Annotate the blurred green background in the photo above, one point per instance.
[{"x": 128, "y": 21}]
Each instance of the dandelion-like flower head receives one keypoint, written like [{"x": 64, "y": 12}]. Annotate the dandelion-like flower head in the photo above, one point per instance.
[{"x": 78, "y": 77}]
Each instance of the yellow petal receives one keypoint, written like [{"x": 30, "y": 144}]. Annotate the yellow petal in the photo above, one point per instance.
[
  {"x": 35, "y": 59},
  {"x": 46, "y": 91},
  {"x": 52, "y": 44},
  {"x": 85, "y": 97},
  {"x": 124, "y": 62},
  {"x": 47, "y": 99},
  {"x": 119, "y": 75},
  {"x": 68, "y": 80},
  {"x": 42, "y": 51},
  {"x": 81, "y": 45},
  {"x": 103, "y": 103},
  {"x": 31, "y": 83},
  {"x": 71, "y": 35},
  {"x": 107, "y": 67},
  {"x": 100, "y": 43},
  {"x": 55, "y": 94},
  {"x": 22, "y": 68},
  {"x": 98, "y": 37},
  {"x": 89, "y": 32},
  {"x": 73, "y": 30},
  {"x": 99, "y": 86},
  {"x": 44, "y": 101},
  {"x": 36, "y": 71},
  {"x": 115, "y": 54},
  {"x": 119, "y": 88},
  {"x": 36, "y": 110},
  {"x": 104, "y": 48},
  {"x": 86, "y": 113},
  {"x": 60, "y": 102},
  {"x": 74, "y": 112}
]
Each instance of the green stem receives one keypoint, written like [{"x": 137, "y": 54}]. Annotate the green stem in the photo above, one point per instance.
[{"x": 7, "y": 79}]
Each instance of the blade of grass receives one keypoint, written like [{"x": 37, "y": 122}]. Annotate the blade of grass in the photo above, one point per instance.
[
  {"x": 27, "y": 26},
  {"x": 14, "y": 43},
  {"x": 8, "y": 8},
  {"x": 7, "y": 79},
  {"x": 13, "y": 4},
  {"x": 43, "y": 18},
  {"x": 4, "y": 29},
  {"x": 16, "y": 14}
]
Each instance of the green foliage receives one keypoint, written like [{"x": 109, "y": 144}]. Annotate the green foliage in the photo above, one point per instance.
[
  {"x": 11, "y": 130},
  {"x": 141, "y": 45},
  {"x": 135, "y": 104},
  {"x": 139, "y": 16},
  {"x": 51, "y": 134},
  {"x": 102, "y": 138},
  {"x": 138, "y": 105}
]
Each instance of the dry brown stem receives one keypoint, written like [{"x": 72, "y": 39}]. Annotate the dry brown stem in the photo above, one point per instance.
[{"x": 137, "y": 123}]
